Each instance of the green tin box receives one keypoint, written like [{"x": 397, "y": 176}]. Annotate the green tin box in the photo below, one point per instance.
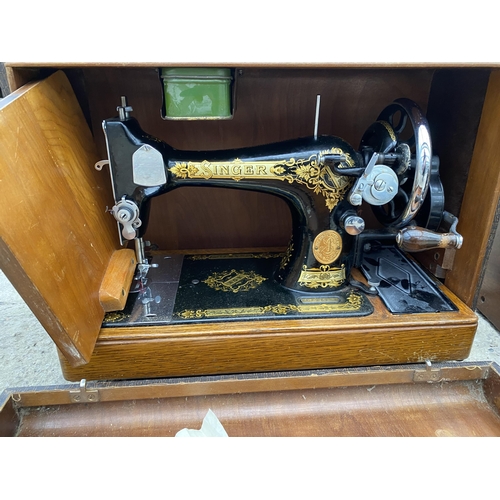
[{"x": 197, "y": 93}]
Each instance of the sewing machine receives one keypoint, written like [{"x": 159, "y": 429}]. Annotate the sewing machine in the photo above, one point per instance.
[
  {"x": 263, "y": 264},
  {"x": 324, "y": 181}
]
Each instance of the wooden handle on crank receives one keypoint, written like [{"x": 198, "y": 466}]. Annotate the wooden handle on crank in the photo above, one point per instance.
[{"x": 418, "y": 239}]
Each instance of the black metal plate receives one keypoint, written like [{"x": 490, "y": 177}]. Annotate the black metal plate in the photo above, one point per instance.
[
  {"x": 403, "y": 286},
  {"x": 229, "y": 288}
]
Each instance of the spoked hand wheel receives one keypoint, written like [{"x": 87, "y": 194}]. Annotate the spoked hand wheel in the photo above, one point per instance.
[{"x": 401, "y": 133}]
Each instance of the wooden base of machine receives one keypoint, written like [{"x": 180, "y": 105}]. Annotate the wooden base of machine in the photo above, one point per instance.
[
  {"x": 275, "y": 345},
  {"x": 455, "y": 399}
]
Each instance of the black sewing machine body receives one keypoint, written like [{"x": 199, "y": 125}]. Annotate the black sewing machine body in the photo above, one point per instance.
[
  {"x": 291, "y": 170},
  {"x": 323, "y": 180}
]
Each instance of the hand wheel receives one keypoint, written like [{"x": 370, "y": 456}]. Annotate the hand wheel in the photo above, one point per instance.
[{"x": 402, "y": 132}]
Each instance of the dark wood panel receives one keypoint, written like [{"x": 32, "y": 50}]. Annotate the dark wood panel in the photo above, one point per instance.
[
  {"x": 272, "y": 104},
  {"x": 192, "y": 218},
  {"x": 9, "y": 418},
  {"x": 17, "y": 77},
  {"x": 491, "y": 388},
  {"x": 444, "y": 409},
  {"x": 454, "y": 112}
]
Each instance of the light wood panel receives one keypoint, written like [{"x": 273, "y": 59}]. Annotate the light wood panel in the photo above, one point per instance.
[
  {"x": 477, "y": 215},
  {"x": 56, "y": 239},
  {"x": 489, "y": 295},
  {"x": 116, "y": 283}
]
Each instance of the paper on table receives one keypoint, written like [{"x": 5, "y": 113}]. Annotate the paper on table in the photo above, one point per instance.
[{"x": 211, "y": 427}]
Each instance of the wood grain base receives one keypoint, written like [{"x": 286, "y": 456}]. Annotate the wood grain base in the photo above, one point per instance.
[
  {"x": 384, "y": 401},
  {"x": 260, "y": 346}
]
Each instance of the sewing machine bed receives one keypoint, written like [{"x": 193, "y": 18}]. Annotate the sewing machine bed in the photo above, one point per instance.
[
  {"x": 240, "y": 286},
  {"x": 280, "y": 343},
  {"x": 226, "y": 287},
  {"x": 451, "y": 399}
]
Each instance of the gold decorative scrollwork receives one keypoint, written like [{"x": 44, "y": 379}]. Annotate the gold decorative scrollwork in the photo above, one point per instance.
[
  {"x": 113, "y": 317},
  {"x": 389, "y": 129},
  {"x": 355, "y": 300},
  {"x": 353, "y": 303},
  {"x": 184, "y": 170},
  {"x": 187, "y": 314},
  {"x": 319, "y": 177},
  {"x": 280, "y": 308},
  {"x": 310, "y": 172},
  {"x": 322, "y": 277},
  {"x": 234, "y": 281},
  {"x": 267, "y": 255},
  {"x": 288, "y": 255}
]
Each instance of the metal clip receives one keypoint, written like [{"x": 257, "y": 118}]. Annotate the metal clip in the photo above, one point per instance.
[
  {"x": 124, "y": 110},
  {"x": 452, "y": 221},
  {"x": 428, "y": 375},
  {"x": 100, "y": 164},
  {"x": 82, "y": 395}
]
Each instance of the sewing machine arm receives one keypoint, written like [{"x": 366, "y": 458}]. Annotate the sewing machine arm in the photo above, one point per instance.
[{"x": 323, "y": 179}]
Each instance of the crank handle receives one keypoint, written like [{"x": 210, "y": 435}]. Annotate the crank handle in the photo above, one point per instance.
[{"x": 418, "y": 239}]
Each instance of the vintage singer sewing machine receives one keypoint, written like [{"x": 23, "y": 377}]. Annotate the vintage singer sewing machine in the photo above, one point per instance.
[
  {"x": 324, "y": 181},
  {"x": 327, "y": 276}
]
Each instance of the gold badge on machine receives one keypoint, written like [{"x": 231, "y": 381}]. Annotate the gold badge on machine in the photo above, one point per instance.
[{"x": 327, "y": 246}]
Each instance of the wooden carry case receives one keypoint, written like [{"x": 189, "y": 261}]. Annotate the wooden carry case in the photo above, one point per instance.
[{"x": 59, "y": 245}]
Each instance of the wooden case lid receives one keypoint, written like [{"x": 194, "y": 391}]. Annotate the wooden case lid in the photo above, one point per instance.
[{"x": 56, "y": 239}]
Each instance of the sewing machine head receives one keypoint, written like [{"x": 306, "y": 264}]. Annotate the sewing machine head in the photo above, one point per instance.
[{"x": 323, "y": 179}]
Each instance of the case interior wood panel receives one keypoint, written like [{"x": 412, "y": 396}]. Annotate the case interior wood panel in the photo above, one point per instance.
[
  {"x": 489, "y": 296},
  {"x": 481, "y": 198}
]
